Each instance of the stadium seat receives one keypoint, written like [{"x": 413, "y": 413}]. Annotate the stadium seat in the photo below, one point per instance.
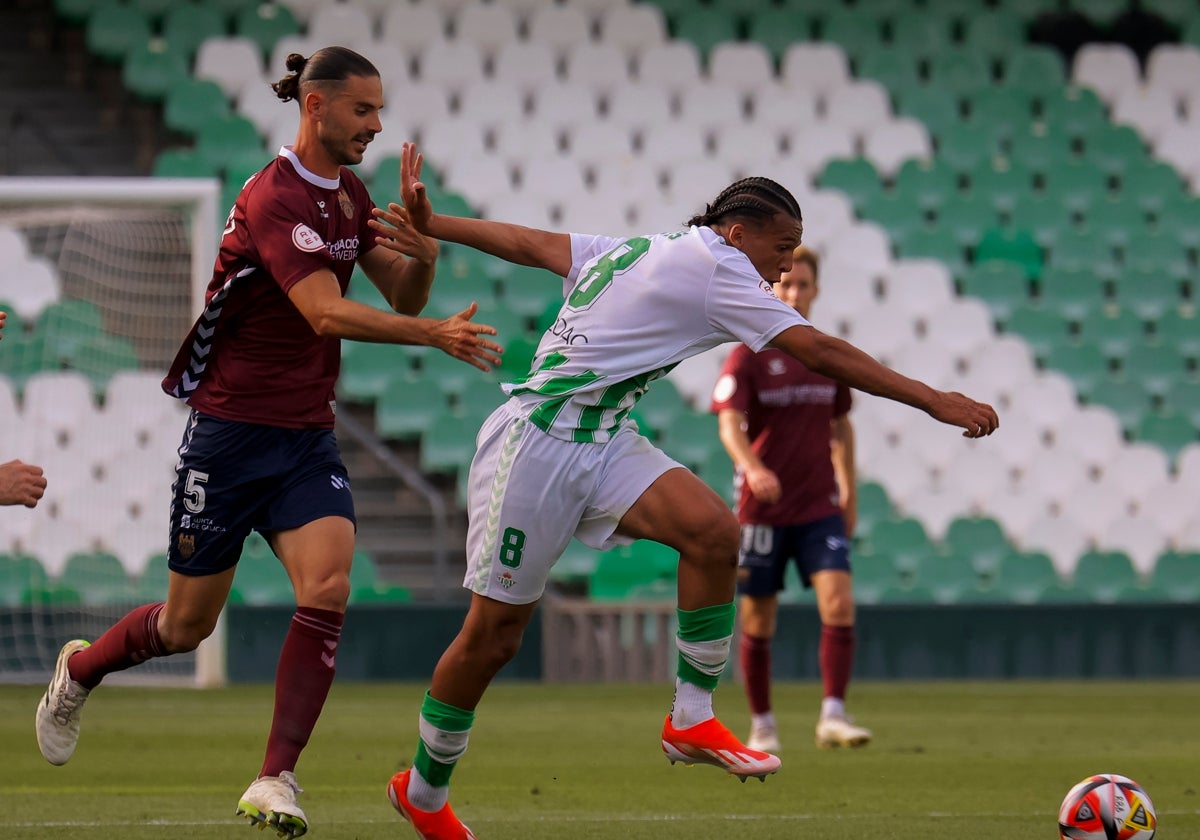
[
  {"x": 966, "y": 218},
  {"x": 1124, "y": 396},
  {"x": 1015, "y": 246},
  {"x": 996, "y": 33},
  {"x": 947, "y": 577},
  {"x": 874, "y": 574},
  {"x": 19, "y": 573},
  {"x": 1003, "y": 112},
  {"x": 959, "y": 71},
  {"x": 1104, "y": 574},
  {"x": 1167, "y": 429},
  {"x": 1076, "y": 112},
  {"x": 941, "y": 114},
  {"x": 905, "y": 541},
  {"x": 448, "y": 443},
  {"x": 1110, "y": 69},
  {"x": 1035, "y": 68},
  {"x": 114, "y": 29},
  {"x": 691, "y": 439},
  {"x": 896, "y": 67},
  {"x": 1177, "y": 575},
  {"x": 928, "y": 184},
  {"x": 265, "y": 24},
  {"x": 1001, "y": 182},
  {"x": 98, "y": 577},
  {"x": 1069, "y": 290},
  {"x": 1042, "y": 216},
  {"x": 151, "y": 69},
  {"x": 1113, "y": 331},
  {"x": 619, "y": 570},
  {"x": 1000, "y": 284},
  {"x": 981, "y": 540},
  {"x": 1158, "y": 367},
  {"x": 407, "y": 412}
]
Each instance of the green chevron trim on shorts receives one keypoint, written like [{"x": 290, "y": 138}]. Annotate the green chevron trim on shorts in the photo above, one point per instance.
[{"x": 491, "y": 528}]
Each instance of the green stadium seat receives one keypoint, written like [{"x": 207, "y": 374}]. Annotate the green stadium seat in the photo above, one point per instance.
[
  {"x": 1159, "y": 367},
  {"x": 1153, "y": 185},
  {"x": 934, "y": 243},
  {"x": 381, "y": 593},
  {"x": 152, "y": 584},
  {"x": 1150, "y": 252},
  {"x": 1104, "y": 574},
  {"x": 1184, "y": 399},
  {"x": 53, "y": 595},
  {"x": 996, "y": 33},
  {"x": 706, "y": 27},
  {"x": 1083, "y": 364},
  {"x": 1002, "y": 285},
  {"x": 966, "y": 218},
  {"x": 1004, "y": 112},
  {"x": 517, "y": 358},
  {"x": 1040, "y": 151},
  {"x": 1046, "y": 219},
  {"x": 857, "y": 31},
  {"x": 448, "y": 444},
  {"x": 1113, "y": 332},
  {"x": 717, "y": 472},
  {"x": 186, "y": 26},
  {"x": 221, "y": 142},
  {"x": 1167, "y": 430},
  {"x": 363, "y": 572},
  {"x": 981, "y": 540},
  {"x": 1116, "y": 221},
  {"x": 872, "y": 506},
  {"x": 405, "y": 413},
  {"x": 1025, "y": 575},
  {"x": 946, "y": 576},
  {"x": 939, "y": 113},
  {"x": 1076, "y": 112},
  {"x": 475, "y": 404},
  {"x": 260, "y": 578},
  {"x": 1077, "y": 186},
  {"x": 895, "y": 67},
  {"x": 530, "y": 290},
  {"x": 76, "y": 12},
  {"x": 855, "y": 177},
  {"x": 114, "y": 29},
  {"x": 1179, "y": 330},
  {"x": 896, "y": 214},
  {"x": 1177, "y": 574},
  {"x": 369, "y": 370},
  {"x": 1062, "y": 593},
  {"x": 575, "y": 565},
  {"x": 927, "y": 34},
  {"x": 1002, "y": 182},
  {"x": 1072, "y": 292},
  {"x": 874, "y": 574},
  {"x": 1174, "y": 220},
  {"x": 98, "y": 577},
  {"x": 777, "y": 29},
  {"x": 265, "y": 24},
  {"x": 617, "y": 572},
  {"x": 1115, "y": 151},
  {"x": 1104, "y": 13},
  {"x": 1177, "y": 12},
  {"x": 966, "y": 148},
  {"x": 1125, "y": 397},
  {"x": 929, "y": 185},
  {"x": 1040, "y": 328},
  {"x": 444, "y": 374},
  {"x": 1013, "y": 245},
  {"x": 99, "y": 356},
  {"x": 692, "y": 438},
  {"x": 152, "y": 68},
  {"x": 905, "y": 541},
  {"x": 152, "y": 9},
  {"x": 18, "y": 574},
  {"x": 65, "y": 324},
  {"x": 959, "y": 71},
  {"x": 1035, "y": 68},
  {"x": 192, "y": 103},
  {"x": 914, "y": 595}
]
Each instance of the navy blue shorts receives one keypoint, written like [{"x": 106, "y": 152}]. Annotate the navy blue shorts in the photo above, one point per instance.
[
  {"x": 766, "y": 549},
  {"x": 233, "y": 477}
]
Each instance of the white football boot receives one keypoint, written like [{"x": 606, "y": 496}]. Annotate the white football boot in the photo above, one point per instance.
[
  {"x": 841, "y": 731},
  {"x": 763, "y": 738},
  {"x": 57, "y": 721},
  {"x": 271, "y": 801}
]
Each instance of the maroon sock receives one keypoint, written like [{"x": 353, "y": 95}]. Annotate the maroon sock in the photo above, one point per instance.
[
  {"x": 837, "y": 658},
  {"x": 131, "y": 641},
  {"x": 302, "y": 681},
  {"x": 755, "y": 654}
]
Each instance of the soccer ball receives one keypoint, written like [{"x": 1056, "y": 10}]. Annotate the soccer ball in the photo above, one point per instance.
[{"x": 1107, "y": 807}]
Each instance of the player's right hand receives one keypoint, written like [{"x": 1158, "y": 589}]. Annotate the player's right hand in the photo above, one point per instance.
[
  {"x": 21, "y": 484},
  {"x": 978, "y": 419},
  {"x": 462, "y": 338}
]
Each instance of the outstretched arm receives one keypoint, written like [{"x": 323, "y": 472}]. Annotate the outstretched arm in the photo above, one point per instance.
[
  {"x": 844, "y": 362},
  {"x": 514, "y": 243}
]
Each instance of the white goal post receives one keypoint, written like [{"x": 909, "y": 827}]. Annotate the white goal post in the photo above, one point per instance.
[{"x": 137, "y": 253}]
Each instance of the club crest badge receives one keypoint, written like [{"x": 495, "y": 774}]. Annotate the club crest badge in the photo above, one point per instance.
[
  {"x": 346, "y": 204},
  {"x": 187, "y": 545}
]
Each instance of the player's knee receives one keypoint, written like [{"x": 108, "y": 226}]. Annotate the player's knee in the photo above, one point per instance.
[
  {"x": 328, "y": 593},
  {"x": 713, "y": 541},
  {"x": 184, "y": 636},
  {"x": 838, "y": 610}
]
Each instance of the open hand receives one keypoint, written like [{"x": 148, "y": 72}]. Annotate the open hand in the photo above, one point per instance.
[
  {"x": 397, "y": 234},
  {"x": 412, "y": 191},
  {"x": 462, "y": 338}
]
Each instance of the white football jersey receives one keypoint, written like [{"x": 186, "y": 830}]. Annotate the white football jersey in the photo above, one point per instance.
[{"x": 635, "y": 308}]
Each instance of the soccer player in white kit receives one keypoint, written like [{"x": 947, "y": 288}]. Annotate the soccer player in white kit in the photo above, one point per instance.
[{"x": 561, "y": 457}]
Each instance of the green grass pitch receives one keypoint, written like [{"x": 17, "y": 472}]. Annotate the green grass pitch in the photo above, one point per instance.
[{"x": 989, "y": 761}]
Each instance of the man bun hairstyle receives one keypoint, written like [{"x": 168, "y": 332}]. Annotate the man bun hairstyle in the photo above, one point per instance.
[
  {"x": 756, "y": 200},
  {"x": 328, "y": 64}
]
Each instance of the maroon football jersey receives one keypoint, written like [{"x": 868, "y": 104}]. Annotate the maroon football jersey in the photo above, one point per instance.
[
  {"x": 788, "y": 411},
  {"x": 251, "y": 356}
]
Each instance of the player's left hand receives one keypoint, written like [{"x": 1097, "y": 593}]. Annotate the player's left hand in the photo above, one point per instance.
[
  {"x": 979, "y": 419},
  {"x": 412, "y": 191},
  {"x": 396, "y": 233}
]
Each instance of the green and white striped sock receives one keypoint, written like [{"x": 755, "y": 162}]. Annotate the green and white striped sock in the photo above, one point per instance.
[
  {"x": 445, "y": 730},
  {"x": 704, "y": 640}
]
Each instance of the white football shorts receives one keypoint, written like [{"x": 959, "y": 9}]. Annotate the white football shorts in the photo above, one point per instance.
[{"x": 529, "y": 493}]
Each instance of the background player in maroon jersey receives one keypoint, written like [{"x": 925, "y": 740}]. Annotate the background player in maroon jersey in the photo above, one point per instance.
[
  {"x": 789, "y": 434},
  {"x": 20, "y": 483},
  {"x": 258, "y": 371}
]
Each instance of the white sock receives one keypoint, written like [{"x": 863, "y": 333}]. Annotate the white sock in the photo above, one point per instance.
[
  {"x": 833, "y": 707},
  {"x": 693, "y": 705},
  {"x": 424, "y": 795},
  {"x": 764, "y": 721}
]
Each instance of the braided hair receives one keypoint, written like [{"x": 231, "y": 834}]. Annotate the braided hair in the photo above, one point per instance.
[
  {"x": 328, "y": 64},
  {"x": 756, "y": 200}
]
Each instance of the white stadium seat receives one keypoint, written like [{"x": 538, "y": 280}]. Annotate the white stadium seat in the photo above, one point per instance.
[
  {"x": 1173, "y": 68},
  {"x": 412, "y": 26},
  {"x": 635, "y": 29},
  {"x": 817, "y": 67},
  {"x": 233, "y": 63},
  {"x": 1108, "y": 69},
  {"x": 342, "y": 23},
  {"x": 489, "y": 26},
  {"x": 890, "y": 144}
]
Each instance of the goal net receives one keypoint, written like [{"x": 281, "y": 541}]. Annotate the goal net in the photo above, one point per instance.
[{"x": 101, "y": 278}]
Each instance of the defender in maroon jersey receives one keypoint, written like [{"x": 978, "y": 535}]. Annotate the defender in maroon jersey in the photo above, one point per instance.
[
  {"x": 789, "y": 434},
  {"x": 258, "y": 371}
]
